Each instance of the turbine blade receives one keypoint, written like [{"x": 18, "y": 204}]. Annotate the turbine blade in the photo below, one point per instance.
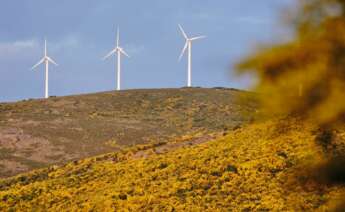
[
  {"x": 183, "y": 50},
  {"x": 118, "y": 37},
  {"x": 109, "y": 54},
  {"x": 37, "y": 64},
  {"x": 182, "y": 31},
  {"x": 52, "y": 61},
  {"x": 123, "y": 52},
  {"x": 45, "y": 47},
  {"x": 197, "y": 38}
]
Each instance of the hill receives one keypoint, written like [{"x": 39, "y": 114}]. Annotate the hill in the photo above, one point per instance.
[
  {"x": 38, "y": 133},
  {"x": 256, "y": 167}
]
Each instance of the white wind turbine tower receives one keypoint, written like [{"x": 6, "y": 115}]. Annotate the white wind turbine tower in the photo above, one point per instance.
[
  {"x": 45, "y": 60},
  {"x": 188, "y": 45},
  {"x": 117, "y": 51}
]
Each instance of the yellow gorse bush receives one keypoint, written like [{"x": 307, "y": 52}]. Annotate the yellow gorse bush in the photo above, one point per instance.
[
  {"x": 253, "y": 168},
  {"x": 306, "y": 75}
]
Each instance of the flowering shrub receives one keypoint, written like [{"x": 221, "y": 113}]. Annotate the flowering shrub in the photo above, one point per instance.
[{"x": 252, "y": 168}]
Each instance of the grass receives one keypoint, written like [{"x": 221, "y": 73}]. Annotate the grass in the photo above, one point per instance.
[
  {"x": 84, "y": 126},
  {"x": 262, "y": 167}
]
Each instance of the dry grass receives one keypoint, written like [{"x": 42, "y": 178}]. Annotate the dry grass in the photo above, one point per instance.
[{"x": 38, "y": 133}]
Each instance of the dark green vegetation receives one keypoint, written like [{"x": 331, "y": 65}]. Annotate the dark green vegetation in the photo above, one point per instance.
[{"x": 38, "y": 133}]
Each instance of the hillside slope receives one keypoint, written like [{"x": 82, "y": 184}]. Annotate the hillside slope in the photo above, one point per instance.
[
  {"x": 256, "y": 167},
  {"x": 37, "y": 133}
]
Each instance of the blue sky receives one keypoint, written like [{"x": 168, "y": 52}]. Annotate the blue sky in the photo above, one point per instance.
[{"x": 81, "y": 32}]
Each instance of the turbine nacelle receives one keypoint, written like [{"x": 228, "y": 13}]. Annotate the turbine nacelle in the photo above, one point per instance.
[
  {"x": 51, "y": 60},
  {"x": 117, "y": 49},
  {"x": 45, "y": 57},
  {"x": 188, "y": 41}
]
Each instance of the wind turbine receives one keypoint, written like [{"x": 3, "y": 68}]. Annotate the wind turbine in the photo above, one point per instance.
[
  {"x": 117, "y": 51},
  {"x": 45, "y": 60},
  {"x": 188, "y": 45}
]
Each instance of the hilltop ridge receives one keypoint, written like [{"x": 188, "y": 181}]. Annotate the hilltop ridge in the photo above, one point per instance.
[{"x": 38, "y": 133}]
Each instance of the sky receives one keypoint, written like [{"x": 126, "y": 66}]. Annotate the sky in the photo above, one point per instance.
[{"x": 81, "y": 32}]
